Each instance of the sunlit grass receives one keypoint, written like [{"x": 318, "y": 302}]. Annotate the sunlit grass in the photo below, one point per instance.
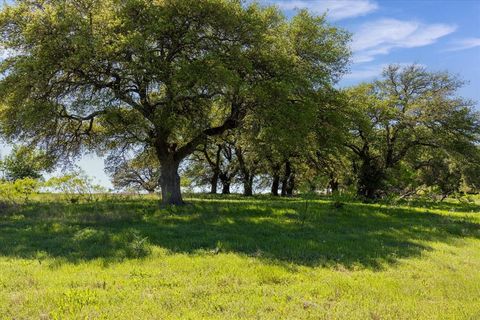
[{"x": 129, "y": 258}]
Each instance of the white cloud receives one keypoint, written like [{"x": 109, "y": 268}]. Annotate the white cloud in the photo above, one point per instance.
[
  {"x": 465, "y": 44},
  {"x": 336, "y": 9},
  {"x": 381, "y": 36}
]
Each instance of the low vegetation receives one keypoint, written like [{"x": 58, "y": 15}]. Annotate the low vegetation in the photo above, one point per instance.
[{"x": 231, "y": 257}]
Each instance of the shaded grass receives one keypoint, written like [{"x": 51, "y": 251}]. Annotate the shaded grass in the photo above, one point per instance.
[
  {"x": 356, "y": 234},
  {"x": 218, "y": 250}
]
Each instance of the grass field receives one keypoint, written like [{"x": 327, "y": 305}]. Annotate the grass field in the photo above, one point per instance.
[{"x": 229, "y": 258}]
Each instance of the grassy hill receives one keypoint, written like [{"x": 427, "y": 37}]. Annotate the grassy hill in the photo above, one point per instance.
[{"x": 229, "y": 258}]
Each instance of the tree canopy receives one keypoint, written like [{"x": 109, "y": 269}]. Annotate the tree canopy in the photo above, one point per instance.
[
  {"x": 408, "y": 112},
  {"x": 120, "y": 75},
  {"x": 24, "y": 162},
  {"x": 236, "y": 92}
]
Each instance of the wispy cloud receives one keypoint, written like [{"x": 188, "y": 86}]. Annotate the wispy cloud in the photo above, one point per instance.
[
  {"x": 464, "y": 44},
  {"x": 336, "y": 9},
  {"x": 382, "y": 36}
]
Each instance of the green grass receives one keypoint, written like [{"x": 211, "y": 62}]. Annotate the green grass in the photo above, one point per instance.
[{"x": 230, "y": 258}]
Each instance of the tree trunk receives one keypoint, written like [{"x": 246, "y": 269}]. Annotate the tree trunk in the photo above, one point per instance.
[
  {"x": 275, "y": 184},
  {"x": 370, "y": 179},
  {"x": 333, "y": 184},
  {"x": 248, "y": 185},
  {"x": 284, "y": 188},
  {"x": 214, "y": 182},
  {"x": 285, "y": 179},
  {"x": 290, "y": 185},
  {"x": 170, "y": 182},
  {"x": 313, "y": 187},
  {"x": 226, "y": 181},
  {"x": 226, "y": 187},
  {"x": 246, "y": 174}
]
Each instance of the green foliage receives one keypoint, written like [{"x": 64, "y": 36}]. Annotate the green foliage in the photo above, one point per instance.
[
  {"x": 74, "y": 187},
  {"x": 137, "y": 245},
  {"x": 141, "y": 173},
  {"x": 19, "y": 190},
  {"x": 471, "y": 176},
  {"x": 408, "y": 113},
  {"x": 24, "y": 162},
  {"x": 160, "y": 75}
]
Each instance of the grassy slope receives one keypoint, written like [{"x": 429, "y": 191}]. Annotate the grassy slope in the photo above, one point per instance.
[{"x": 237, "y": 258}]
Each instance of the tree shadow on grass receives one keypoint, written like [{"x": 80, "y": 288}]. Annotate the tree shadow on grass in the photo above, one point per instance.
[{"x": 316, "y": 234}]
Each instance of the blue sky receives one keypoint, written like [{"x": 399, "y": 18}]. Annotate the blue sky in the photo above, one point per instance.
[{"x": 441, "y": 35}]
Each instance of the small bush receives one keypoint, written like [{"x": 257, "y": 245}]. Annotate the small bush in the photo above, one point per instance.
[
  {"x": 75, "y": 187},
  {"x": 14, "y": 192},
  {"x": 137, "y": 246}
]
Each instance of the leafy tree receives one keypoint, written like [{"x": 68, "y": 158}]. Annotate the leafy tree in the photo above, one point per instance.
[
  {"x": 248, "y": 164},
  {"x": 277, "y": 137},
  {"x": 141, "y": 173},
  {"x": 24, "y": 162},
  {"x": 213, "y": 163},
  {"x": 331, "y": 168},
  {"x": 411, "y": 110},
  {"x": 202, "y": 170},
  {"x": 74, "y": 186},
  {"x": 471, "y": 173},
  {"x": 446, "y": 172},
  {"x": 90, "y": 74},
  {"x": 104, "y": 75},
  {"x": 214, "y": 160},
  {"x": 229, "y": 167},
  {"x": 442, "y": 172}
]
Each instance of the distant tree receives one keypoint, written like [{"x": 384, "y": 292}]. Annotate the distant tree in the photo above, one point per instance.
[
  {"x": 109, "y": 75},
  {"x": 471, "y": 172},
  {"x": 20, "y": 189},
  {"x": 331, "y": 170},
  {"x": 214, "y": 163},
  {"x": 75, "y": 186},
  {"x": 248, "y": 164},
  {"x": 140, "y": 173},
  {"x": 471, "y": 178},
  {"x": 229, "y": 166},
  {"x": 446, "y": 172},
  {"x": 213, "y": 158},
  {"x": 24, "y": 162},
  {"x": 410, "y": 110},
  {"x": 443, "y": 172},
  {"x": 200, "y": 173}
]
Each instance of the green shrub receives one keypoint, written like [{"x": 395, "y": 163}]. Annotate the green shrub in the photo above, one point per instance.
[
  {"x": 75, "y": 187},
  {"x": 137, "y": 246},
  {"x": 18, "y": 191}
]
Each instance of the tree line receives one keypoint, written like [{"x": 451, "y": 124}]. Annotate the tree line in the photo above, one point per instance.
[{"x": 226, "y": 93}]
